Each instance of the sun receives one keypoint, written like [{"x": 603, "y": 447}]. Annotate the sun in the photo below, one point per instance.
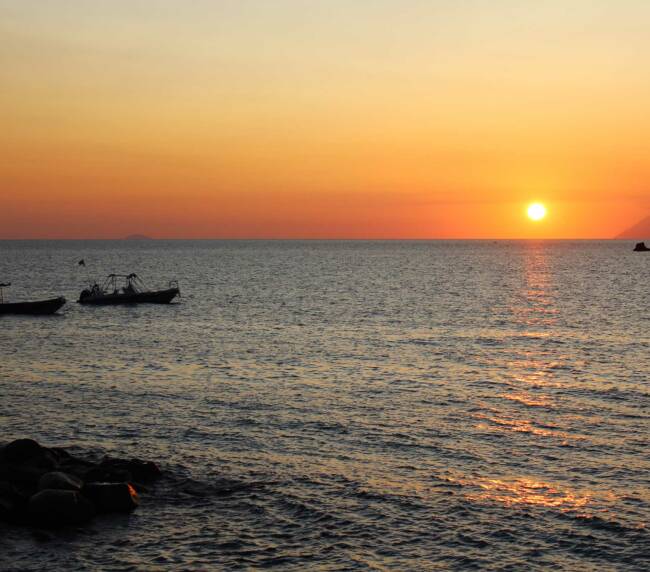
[{"x": 536, "y": 211}]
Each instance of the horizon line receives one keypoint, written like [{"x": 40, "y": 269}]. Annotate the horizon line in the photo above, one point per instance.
[{"x": 305, "y": 239}]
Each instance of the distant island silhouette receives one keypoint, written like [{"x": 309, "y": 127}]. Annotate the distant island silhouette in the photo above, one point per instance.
[
  {"x": 138, "y": 237},
  {"x": 640, "y": 230}
]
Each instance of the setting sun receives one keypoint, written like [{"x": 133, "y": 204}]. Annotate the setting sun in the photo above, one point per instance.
[{"x": 536, "y": 211}]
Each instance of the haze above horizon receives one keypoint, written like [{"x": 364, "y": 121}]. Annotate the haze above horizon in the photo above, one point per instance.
[{"x": 328, "y": 119}]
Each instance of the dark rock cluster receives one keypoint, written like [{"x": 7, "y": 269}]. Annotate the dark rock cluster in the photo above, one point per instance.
[{"x": 50, "y": 487}]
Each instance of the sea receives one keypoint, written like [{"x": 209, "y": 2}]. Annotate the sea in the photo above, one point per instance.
[{"x": 343, "y": 405}]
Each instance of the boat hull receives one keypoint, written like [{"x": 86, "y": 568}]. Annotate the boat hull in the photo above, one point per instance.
[
  {"x": 155, "y": 297},
  {"x": 38, "y": 308}
]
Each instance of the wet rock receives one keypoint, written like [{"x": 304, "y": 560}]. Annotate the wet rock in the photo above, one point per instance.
[
  {"x": 28, "y": 454},
  {"x": 12, "y": 502},
  {"x": 115, "y": 470},
  {"x": 59, "y": 481},
  {"x": 112, "y": 497},
  {"x": 56, "y": 507},
  {"x": 45, "y": 486},
  {"x": 108, "y": 474},
  {"x": 141, "y": 471},
  {"x": 20, "y": 450},
  {"x": 25, "y": 476},
  {"x": 74, "y": 465},
  {"x": 63, "y": 457}
]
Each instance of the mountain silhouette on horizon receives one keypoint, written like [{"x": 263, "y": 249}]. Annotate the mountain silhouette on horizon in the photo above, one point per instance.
[{"x": 640, "y": 230}]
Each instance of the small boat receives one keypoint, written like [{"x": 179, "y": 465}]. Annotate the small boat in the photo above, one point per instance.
[
  {"x": 132, "y": 291},
  {"x": 37, "y": 308},
  {"x": 641, "y": 247}
]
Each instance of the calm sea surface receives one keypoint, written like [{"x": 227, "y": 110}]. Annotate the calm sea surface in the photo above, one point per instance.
[{"x": 345, "y": 405}]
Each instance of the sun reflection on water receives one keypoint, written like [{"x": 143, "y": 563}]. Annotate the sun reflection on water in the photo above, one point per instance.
[
  {"x": 529, "y": 400},
  {"x": 528, "y": 491},
  {"x": 500, "y": 423},
  {"x": 535, "y": 303}
]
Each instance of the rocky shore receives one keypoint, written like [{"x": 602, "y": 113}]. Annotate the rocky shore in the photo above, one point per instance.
[{"x": 50, "y": 487}]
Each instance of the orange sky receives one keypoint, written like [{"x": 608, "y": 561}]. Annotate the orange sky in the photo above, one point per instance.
[{"x": 323, "y": 120}]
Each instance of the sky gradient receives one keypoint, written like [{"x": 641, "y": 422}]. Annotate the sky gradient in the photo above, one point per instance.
[{"x": 323, "y": 119}]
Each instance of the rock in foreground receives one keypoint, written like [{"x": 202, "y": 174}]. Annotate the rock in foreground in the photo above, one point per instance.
[
  {"x": 53, "y": 507},
  {"x": 112, "y": 497},
  {"x": 50, "y": 487}
]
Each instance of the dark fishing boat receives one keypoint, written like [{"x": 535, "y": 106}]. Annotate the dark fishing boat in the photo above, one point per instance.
[
  {"x": 37, "y": 308},
  {"x": 132, "y": 291}
]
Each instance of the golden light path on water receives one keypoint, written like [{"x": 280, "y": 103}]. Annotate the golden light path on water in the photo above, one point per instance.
[
  {"x": 522, "y": 426},
  {"x": 528, "y": 491},
  {"x": 535, "y": 312},
  {"x": 529, "y": 400},
  {"x": 531, "y": 376}
]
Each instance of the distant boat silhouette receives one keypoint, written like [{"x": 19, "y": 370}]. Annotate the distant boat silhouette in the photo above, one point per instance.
[
  {"x": 641, "y": 247},
  {"x": 36, "y": 308},
  {"x": 133, "y": 291}
]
